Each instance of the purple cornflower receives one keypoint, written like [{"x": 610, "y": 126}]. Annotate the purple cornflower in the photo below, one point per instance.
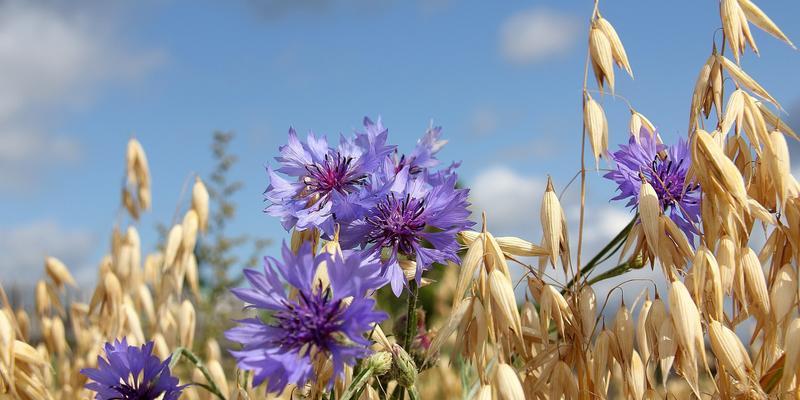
[
  {"x": 413, "y": 218},
  {"x": 423, "y": 157},
  {"x": 324, "y": 182},
  {"x": 132, "y": 373},
  {"x": 665, "y": 168},
  {"x": 315, "y": 324}
]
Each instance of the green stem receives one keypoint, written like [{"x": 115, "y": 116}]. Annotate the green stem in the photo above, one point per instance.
[
  {"x": 616, "y": 271},
  {"x": 412, "y": 393},
  {"x": 411, "y": 316},
  {"x": 186, "y": 353},
  {"x": 357, "y": 385},
  {"x": 411, "y": 325}
]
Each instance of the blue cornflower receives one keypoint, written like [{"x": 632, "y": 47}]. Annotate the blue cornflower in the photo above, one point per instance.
[
  {"x": 323, "y": 182},
  {"x": 665, "y": 168},
  {"x": 132, "y": 373},
  {"x": 413, "y": 216},
  {"x": 314, "y": 323}
]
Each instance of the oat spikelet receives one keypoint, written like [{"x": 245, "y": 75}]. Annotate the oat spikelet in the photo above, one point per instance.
[
  {"x": 687, "y": 321},
  {"x": 734, "y": 24},
  {"x": 617, "y": 50},
  {"x": 484, "y": 393},
  {"x": 551, "y": 223},
  {"x": 563, "y": 382},
  {"x": 758, "y": 295},
  {"x": 637, "y": 122},
  {"x": 761, "y": 20},
  {"x": 472, "y": 260},
  {"x": 510, "y": 245},
  {"x": 189, "y": 231},
  {"x": 623, "y": 330},
  {"x": 701, "y": 90},
  {"x": 174, "y": 242},
  {"x": 667, "y": 348},
  {"x": 502, "y": 294},
  {"x": 601, "y": 56},
  {"x": 594, "y": 118},
  {"x": 791, "y": 352},
  {"x": 636, "y": 377},
  {"x": 729, "y": 351},
  {"x": 649, "y": 212},
  {"x": 507, "y": 383},
  {"x": 187, "y": 320},
  {"x": 783, "y": 294},
  {"x": 200, "y": 203},
  {"x": 744, "y": 79},
  {"x": 588, "y": 310},
  {"x": 58, "y": 272}
]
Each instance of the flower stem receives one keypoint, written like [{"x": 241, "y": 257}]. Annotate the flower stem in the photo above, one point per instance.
[
  {"x": 411, "y": 325},
  {"x": 357, "y": 385},
  {"x": 186, "y": 353},
  {"x": 411, "y": 316}
]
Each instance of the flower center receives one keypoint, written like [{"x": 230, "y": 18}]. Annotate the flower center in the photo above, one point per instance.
[
  {"x": 335, "y": 172},
  {"x": 668, "y": 178},
  {"x": 311, "y": 319},
  {"x": 397, "y": 223},
  {"x": 132, "y": 392}
]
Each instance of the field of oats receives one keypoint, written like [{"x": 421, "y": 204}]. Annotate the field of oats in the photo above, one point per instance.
[{"x": 390, "y": 283}]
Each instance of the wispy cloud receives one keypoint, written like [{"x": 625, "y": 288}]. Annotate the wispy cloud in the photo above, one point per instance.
[
  {"x": 24, "y": 248},
  {"x": 54, "y": 58},
  {"x": 536, "y": 35},
  {"x": 511, "y": 200}
]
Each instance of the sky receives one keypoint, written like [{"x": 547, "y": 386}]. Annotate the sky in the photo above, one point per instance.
[{"x": 503, "y": 79}]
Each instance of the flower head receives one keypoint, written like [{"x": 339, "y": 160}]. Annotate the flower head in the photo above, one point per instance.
[
  {"x": 132, "y": 373},
  {"x": 315, "y": 324},
  {"x": 665, "y": 168},
  {"x": 423, "y": 157},
  {"x": 414, "y": 218},
  {"x": 323, "y": 182}
]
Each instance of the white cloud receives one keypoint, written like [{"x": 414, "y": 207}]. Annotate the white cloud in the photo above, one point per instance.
[
  {"x": 54, "y": 58},
  {"x": 24, "y": 248},
  {"x": 537, "y": 34},
  {"x": 602, "y": 223},
  {"x": 511, "y": 200}
]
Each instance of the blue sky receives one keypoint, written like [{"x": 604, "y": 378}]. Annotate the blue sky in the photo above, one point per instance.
[{"x": 503, "y": 79}]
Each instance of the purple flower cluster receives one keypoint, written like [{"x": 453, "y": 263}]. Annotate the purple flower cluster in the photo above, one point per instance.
[
  {"x": 309, "y": 322},
  {"x": 665, "y": 168},
  {"x": 132, "y": 373},
  {"x": 386, "y": 207},
  {"x": 379, "y": 199}
]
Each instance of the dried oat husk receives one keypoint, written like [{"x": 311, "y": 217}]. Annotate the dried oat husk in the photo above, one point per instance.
[
  {"x": 58, "y": 272},
  {"x": 594, "y": 119},
  {"x": 761, "y": 20},
  {"x": 200, "y": 203},
  {"x": 617, "y": 49},
  {"x": 552, "y": 224},
  {"x": 506, "y": 383},
  {"x": 601, "y": 56},
  {"x": 729, "y": 351}
]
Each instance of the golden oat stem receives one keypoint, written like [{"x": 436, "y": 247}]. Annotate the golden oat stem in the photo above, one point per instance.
[{"x": 583, "y": 156}]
